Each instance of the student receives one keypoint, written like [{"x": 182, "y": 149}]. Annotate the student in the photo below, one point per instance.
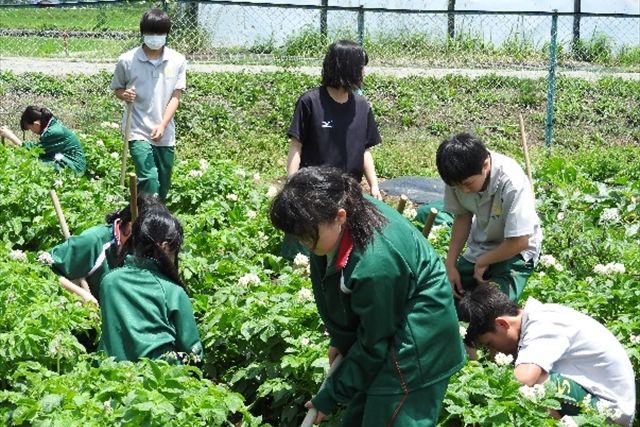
[
  {"x": 554, "y": 343},
  {"x": 61, "y": 146},
  {"x": 152, "y": 77},
  {"x": 97, "y": 250},
  {"x": 494, "y": 212},
  {"x": 144, "y": 306},
  {"x": 383, "y": 295},
  {"x": 332, "y": 125}
]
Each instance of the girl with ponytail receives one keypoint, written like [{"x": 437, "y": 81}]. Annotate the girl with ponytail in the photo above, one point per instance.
[
  {"x": 383, "y": 295},
  {"x": 144, "y": 304},
  {"x": 61, "y": 146}
]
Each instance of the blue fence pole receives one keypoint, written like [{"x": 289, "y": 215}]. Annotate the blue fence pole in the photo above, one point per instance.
[
  {"x": 361, "y": 25},
  {"x": 551, "y": 79}
]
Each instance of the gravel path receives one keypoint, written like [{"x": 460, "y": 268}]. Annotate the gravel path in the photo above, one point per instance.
[{"x": 61, "y": 67}]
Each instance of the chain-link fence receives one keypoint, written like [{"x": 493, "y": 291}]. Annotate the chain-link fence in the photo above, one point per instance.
[
  {"x": 438, "y": 40},
  {"x": 246, "y": 32}
]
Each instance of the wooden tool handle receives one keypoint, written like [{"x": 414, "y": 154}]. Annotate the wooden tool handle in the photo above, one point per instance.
[
  {"x": 402, "y": 203},
  {"x": 125, "y": 145},
  {"x": 72, "y": 287},
  {"x": 133, "y": 199},
  {"x": 428, "y": 224},
  {"x": 312, "y": 413},
  {"x": 60, "y": 214}
]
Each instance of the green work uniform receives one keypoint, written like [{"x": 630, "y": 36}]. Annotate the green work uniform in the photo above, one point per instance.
[
  {"x": 89, "y": 255},
  {"x": 389, "y": 310},
  {"x": 61, "y": 147},
  {"x": 144, "y": 314},
  {"x": 154, "y": 165}
]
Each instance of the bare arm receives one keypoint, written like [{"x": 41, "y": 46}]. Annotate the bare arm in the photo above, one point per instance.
[
  {"x": 169, "y": 112},
  {"x": 530, "y": 374},
  {"x": 459, "y": 234},
  {"x": 509, "y": 248},
  {"x": 293, "y": 159},
  {"x": 7, "y": 133},
  {"x": 370, "y": 174}
]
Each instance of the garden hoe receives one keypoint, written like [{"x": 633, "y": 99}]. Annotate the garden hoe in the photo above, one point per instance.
[
  {"x": 125, "y": 145},
  {"x": 312, "y": 413},
  {"x": 83, "y": 291},
  {"x": 525, "y": 149}
]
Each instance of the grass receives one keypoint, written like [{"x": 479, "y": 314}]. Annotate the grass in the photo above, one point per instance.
[
  {"x": 245, "y": 116},
  {"x": 47, "y": 47},
  {"x": 121, "y": 17}
]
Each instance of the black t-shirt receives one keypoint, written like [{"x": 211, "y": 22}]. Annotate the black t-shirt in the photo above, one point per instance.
[{"x": 334, "y": 134}]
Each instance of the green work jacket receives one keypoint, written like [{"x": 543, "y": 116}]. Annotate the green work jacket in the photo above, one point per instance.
[
  {"x": 89, "y": 255},
  {"x": 144, "y": 314},
  {"x": 389, "y": 309},
  {"x": 61, "y": 147}
]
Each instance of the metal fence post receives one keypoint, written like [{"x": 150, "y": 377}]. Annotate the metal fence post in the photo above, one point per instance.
[
  {"x": 551, "y": 79},
  {"x": 361, "y": 25},
  {"x": 451, "y": 19},
  {"x": 577, "y": 10},
  {"x": 323, "y": 18}
]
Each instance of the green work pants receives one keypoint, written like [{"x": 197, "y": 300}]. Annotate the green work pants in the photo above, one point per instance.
[
  {"x": 419, "y": 408},
  {"x": 153, "y": 167},
  {"x": 510, "y": 275}
]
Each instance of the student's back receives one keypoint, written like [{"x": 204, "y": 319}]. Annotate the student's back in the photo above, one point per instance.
[{"x": 144, "y": 314}]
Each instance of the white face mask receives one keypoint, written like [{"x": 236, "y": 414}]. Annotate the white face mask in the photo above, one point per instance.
[{"x": 155, "y": 42}]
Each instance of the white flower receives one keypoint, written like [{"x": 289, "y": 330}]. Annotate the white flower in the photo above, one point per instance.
[
  {"x": 634, "y": 339},
  {"x": 541, "y": 274},
  {"x": 18, "y": 255},
  {"x": 58, "y": 183},
  {"x": 262, "y": 236},
  {"x": 58, "y": 157},
  {"x": 248, "y": 279},
  {"x": 410, "y": 213},
  {"x": 272, "y": 191},
  {"x": 195, "y": 173},
  {"x": 550, "y": 261},
  {"x": 560, "y": 216},
  {"x": 301, "y": 261},
  {"x": 304, "y": 341},
  {"x": 610, "y": 268},
  {"x": 55, "y": 346},
  {"x": 251, "y": 214},
  {"x": 45, "y": 258},
  {"x": 589, "y": 279},
  {"x": 107, "y": 406},
  {"x": 503, "y": 359},
  {"x": 567, "y": 421},
  {"x": 114, "y": 125},
  {"x": 610, "y": 215},
  {"x": 204, "y": 164},
  {"x": 115, "y": 155},
  {"x": 100, "y": 143},
  {"x": 256, "y": 177},
  {"x": 305, "y": 294},
  {"x": 532, "y": 393},
  {"x": 606, "y": 409},
  {"x": 232, "y": 197},
  {"x": 241, "y": 173},
  {"x": 463, "y": 331}
]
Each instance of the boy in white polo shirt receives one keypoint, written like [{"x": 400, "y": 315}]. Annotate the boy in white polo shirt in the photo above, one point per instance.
[
  {"x": 494, "y": 213},
  {"x": 556, "y": 344},
  {"x": 152, "y": 77}
]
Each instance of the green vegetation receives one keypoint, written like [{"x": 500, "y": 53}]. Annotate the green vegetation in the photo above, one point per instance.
[{"x": 265, "y": 351}]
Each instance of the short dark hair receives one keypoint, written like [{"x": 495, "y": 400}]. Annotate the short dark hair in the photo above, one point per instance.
[
  {"x": 313, "y": 195},
  {"x": 460, "y": 157},
  {"x": 155, "y": 21},
  {"x": 481, "y": 306},
  {"x": 343, "y": 64},
  {"x": 33, "y": 113}
]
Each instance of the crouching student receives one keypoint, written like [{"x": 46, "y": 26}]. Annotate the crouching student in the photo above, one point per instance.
[
  {"x": 97, "y": 250},
  {"x": 554, "y": 343},
  {"x": 61, "y": 146},
  {"x": 383, "y": 295},
  {"x": 494, "y": 213},
  {"x": 144, "y": 306}
]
